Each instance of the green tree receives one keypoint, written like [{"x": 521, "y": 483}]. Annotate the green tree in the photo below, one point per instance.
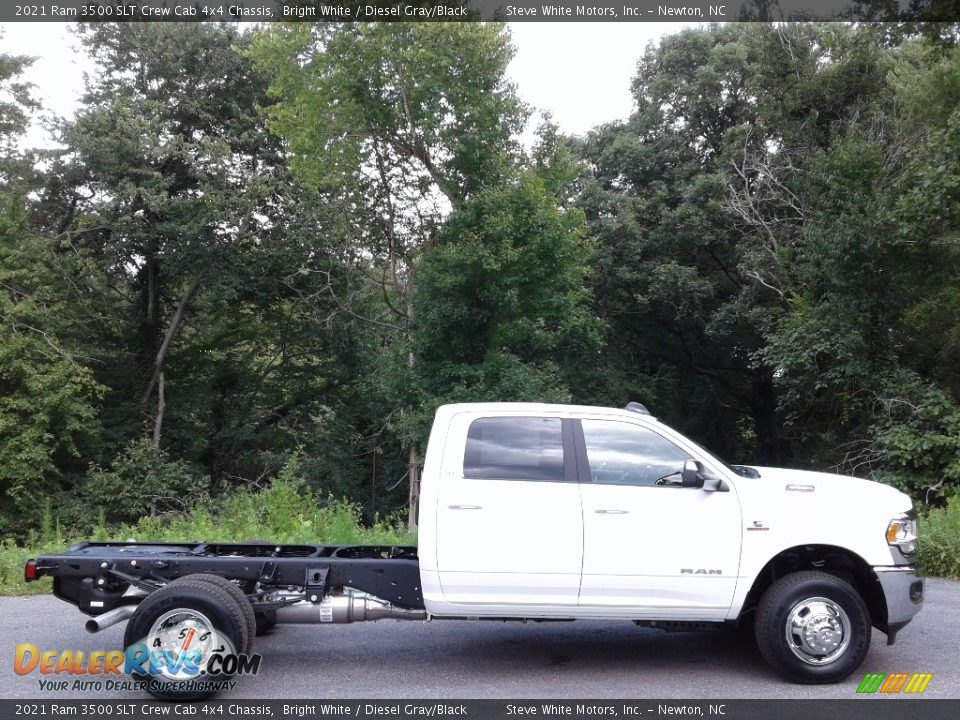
[
  {"x": 395, "y": 124},
  {"x": 777, "y": 226},
  {"x": 169, "y": 179},
  {"x": 501, "y": 296},
  {"x": 48, "y": 395},
  {"x": 685, "y": 314},
  {"x": 867, "y": 251},
  {"x": 210, "y": 340}
]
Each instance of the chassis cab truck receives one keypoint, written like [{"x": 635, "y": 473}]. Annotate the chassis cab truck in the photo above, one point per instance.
[{"x": 543, "y": 512}]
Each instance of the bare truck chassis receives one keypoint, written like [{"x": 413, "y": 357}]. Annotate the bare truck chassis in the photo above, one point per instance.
[{"x": 284, "y": 583}]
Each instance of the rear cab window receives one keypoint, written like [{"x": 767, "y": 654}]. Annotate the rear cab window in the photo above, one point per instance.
[{"x": 515, "y": 448}]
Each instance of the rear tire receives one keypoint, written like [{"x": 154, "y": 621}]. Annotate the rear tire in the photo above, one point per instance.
[
  {"x": 235, "y": 592},
  {"x": 169, "y": 620},
  {"x": 812, "y": 627}
]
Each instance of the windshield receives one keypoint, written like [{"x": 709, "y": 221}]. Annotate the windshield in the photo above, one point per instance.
[{"x": 742, "y": 470}]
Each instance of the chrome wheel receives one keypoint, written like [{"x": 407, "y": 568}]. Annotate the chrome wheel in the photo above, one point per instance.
[
  {"x": 180, "y": 641},
  {"x": 176, "y": 634},
  {"x": 818, "y": 630}
]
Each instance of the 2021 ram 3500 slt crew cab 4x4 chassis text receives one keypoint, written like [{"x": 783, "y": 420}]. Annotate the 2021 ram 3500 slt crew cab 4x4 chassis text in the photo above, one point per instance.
[{"x": 535, "y": 511}]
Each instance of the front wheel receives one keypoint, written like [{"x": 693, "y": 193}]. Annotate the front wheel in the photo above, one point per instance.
[{"x": 812, "y": 627}]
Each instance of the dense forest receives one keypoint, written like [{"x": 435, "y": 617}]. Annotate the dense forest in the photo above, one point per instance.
[{"x": 289, "y": 245}]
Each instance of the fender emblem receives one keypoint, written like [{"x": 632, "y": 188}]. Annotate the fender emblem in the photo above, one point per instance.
[
  {"x": 757, "y": 525},
  {"x": 700, "y": 571}
]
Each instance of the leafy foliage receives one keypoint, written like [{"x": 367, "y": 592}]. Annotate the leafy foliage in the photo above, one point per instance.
[
  {"x": 430, "y": 98},
  {"x": 500, "y": 296},
  {"x": 940, "y": 547},
  {"x": 143, "y": 481},
  {"x": 48, "y": 395},
  {"x": 778, "y": 232},
  {"x": 48, "y": 399},
  {"x": 285, "y": 511},
  {"x": 16, "y": 103}
]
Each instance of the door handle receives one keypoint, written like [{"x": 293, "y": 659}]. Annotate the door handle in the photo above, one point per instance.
[
  {"x": 465, "y": 507},
  {"x": 612, "y": 512}
]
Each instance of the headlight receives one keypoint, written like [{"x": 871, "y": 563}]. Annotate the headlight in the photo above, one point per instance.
[{"x": 902, "y": 533}]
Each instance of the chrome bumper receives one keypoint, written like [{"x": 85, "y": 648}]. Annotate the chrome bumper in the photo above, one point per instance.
[{"x": 903, "y": 591}]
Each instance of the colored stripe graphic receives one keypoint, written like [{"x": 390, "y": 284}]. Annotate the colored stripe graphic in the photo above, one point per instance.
[
  {"x": 870, "y": 682},
  {"x": 918, "y": 683},
  {"x": 893, "y": 683}
]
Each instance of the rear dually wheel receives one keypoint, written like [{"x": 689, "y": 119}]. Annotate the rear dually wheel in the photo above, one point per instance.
[{"x": 176, "y": 630}]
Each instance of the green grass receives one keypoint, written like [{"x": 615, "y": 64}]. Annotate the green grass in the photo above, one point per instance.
[
  {"x": 283, "y": 513},
  {"x": 940, "y": 540}
]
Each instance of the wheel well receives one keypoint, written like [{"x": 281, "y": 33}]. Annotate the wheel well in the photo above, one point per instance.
[{"x": 836, "y": 561}]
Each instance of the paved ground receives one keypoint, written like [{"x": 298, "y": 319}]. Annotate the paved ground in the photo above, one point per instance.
[{"x": 453, "y": 659}]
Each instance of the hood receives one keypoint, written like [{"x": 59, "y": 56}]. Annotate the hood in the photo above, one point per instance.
[{"x": 855, "y": 490}]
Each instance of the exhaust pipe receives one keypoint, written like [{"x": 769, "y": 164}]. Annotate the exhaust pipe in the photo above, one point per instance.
[
  {"x": 101, "y": 622},
  {"x": 347, "y": 607}
]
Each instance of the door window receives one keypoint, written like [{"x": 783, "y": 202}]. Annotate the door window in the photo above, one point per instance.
[
  {"x": 624, "y": 454},
  {"x": 514, "y": 448}
]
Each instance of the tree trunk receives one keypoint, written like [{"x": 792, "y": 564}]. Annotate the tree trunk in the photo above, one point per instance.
[
  {"x": 161, "y": 405},
  {"x": 151, "y": 314},
  {"x": 413, "y": 460},
  {"x": 171, "y": 332},
  {"x": 413, "y": 467},
  {"x": 414, "y": 499}
]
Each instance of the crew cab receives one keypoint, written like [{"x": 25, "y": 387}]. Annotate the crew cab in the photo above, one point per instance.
[{"x": 532, "y": 511}]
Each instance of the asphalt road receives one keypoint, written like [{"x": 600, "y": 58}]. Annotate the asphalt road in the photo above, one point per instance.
[{"x": 459, "y": 659}]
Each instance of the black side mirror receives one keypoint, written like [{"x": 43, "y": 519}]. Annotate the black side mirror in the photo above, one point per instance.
[{"x": 690, "y": 475}]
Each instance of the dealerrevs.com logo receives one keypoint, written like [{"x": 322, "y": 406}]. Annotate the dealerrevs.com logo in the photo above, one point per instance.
[{"x": 193, "y": 664}]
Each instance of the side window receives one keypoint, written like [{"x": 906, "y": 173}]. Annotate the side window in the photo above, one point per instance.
[
  {"x": 514, "y": 448},
  {"x": 624, "y": 454}
]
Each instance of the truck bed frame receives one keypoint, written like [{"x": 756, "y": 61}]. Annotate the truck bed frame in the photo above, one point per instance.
[{"x": 99, "y": 577}]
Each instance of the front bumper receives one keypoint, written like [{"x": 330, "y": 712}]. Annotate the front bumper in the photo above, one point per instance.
[{"x": 903, "y": 591}]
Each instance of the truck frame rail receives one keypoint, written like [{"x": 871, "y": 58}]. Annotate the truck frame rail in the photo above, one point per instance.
[{"x": 98, "y": 577}]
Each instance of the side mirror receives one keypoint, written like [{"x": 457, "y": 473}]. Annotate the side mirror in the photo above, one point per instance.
[
  {"x": 711, "y": 483},
  {"x": 690, "y": 475}
]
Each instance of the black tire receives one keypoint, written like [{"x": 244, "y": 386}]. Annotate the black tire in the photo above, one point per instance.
[
  {"x": 838, "y": 633},
  {"x": 236, "y": 593},
  {"x": 208, "y": 599}
]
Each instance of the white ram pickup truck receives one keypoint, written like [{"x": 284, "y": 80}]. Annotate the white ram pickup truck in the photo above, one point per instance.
[{"x": 541, "y": 512}]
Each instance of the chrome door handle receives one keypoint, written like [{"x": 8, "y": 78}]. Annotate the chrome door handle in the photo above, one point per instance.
[
  {"x": 465, "y": 507},
  {"x": 612, "y": 512}
]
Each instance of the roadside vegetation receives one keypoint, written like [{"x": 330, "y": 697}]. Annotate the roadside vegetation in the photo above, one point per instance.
[
  {"x": 940, "y": 540},
  {"x": 284, "y": 512}
]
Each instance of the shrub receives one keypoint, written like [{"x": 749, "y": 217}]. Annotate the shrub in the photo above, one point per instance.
[
  {"x": 286, "y": 512},
  {"x": 144, "y": 480},
  {"x": 940, "y": 540}
]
